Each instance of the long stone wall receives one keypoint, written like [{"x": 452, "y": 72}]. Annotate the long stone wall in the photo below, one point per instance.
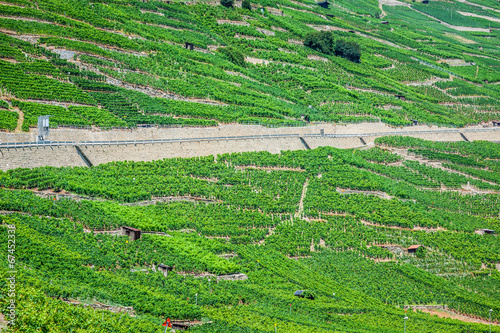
[
  {"x": 67, "y": 155},
  {"x": 32, "y": 157},
  {"x": 486, "y": 136},
  {"x": 99, "y": 154},
  {"x": 67, "y": 134},
  {"x": 344, "y": 143}
]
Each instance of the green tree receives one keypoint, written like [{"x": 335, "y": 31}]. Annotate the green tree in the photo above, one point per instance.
[
  {"x": 347, "y": 49},
  {"x": 227, "y": 3},
  {"x": 321, "y": 41},
  {"x": 246, "y": 5}
]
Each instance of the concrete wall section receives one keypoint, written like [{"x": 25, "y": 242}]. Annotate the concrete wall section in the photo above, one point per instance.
[
  {"x": 344, "y": 143},
  {"x": 31, "y": 157},
  {"x": 486, "y": 136},
  {"x": 438, "y": 136},
  {"x": 99, "y": 154}
]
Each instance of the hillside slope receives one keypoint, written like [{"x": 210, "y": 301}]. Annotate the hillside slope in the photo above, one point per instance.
[
  {"x": 337, "y": 224},
  {"x": 302, "y": 240},
  {"x": 123, "y": 63}
]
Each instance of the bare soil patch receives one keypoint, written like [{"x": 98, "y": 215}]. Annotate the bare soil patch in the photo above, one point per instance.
[
  {"x": 268, "y": 168},
  {"x": 461, "y": 39},
  {"x": 20, "y": 120},
  {"x": 448, "y": 314},
  {"x": 380, "y": 194}
]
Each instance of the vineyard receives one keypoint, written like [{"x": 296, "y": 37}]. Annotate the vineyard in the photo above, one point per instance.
[
  {"x": 314, "y": 240},
  {"x": 132, "y": 63},
  {"x": 337, "y": 223}
]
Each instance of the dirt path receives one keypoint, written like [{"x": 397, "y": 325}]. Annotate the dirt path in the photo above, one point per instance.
[
  {"x": 402, "y": 228},
  {"x": 11, "y": 4},
  {"x": 3, "y": 323},
  {"x": 20, "y": 120},
  {"x": 383, "y": 41},
  {"x": 393, "y": 3},
  {"x": 429, "y": 82},
  {"x": 302, "y": 197},
  {"x": 390, "y": 3},
  {"x": 155, "y": 200},
  {"x": 436, "y": 164},
  {"x": 29, "y": 19},
  {"x": 269, "y": 168},
  {"x": 382, "y": 13},
  {"x": 478, "y": 5},
  {"x": 379, "y": 194}
]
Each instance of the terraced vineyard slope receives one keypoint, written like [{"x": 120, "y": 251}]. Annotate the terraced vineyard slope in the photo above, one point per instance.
[
  {"x": 338, "y": 224},
  {"x": 127, "y": 63}
]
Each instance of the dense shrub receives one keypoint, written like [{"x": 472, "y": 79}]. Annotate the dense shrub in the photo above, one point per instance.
[
  {"x": 321, "y": 41},
  {"x": 227, "y": 3},
  {"x": 246, "y": 5},
  {"x": 347, "y": 49}
]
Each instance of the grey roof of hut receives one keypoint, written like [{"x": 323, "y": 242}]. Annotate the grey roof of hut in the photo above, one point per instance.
[{"x": 130, "y": 228}]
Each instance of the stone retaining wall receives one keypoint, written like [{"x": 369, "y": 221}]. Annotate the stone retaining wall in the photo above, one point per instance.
[
  {"x": 57, "y": 156},
  {"x": 153, "y": 133},
  {"x": 344, "y": 143},
  {"x": 31, "y": 157},
  {"x": 154, "y": 151},
  {"x": 487, "y": 136}
]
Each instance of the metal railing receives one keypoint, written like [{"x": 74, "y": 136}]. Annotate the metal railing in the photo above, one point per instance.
[
  {"x": 226, "y": 138},
  {"x": 37, "y": 144},
  {"x": 403, "y": 133},
  {"x": 218, "y": 138}
]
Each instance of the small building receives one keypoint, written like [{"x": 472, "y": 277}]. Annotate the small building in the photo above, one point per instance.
[
  {"x": 131, "y": 233},
  {"x": 425, "y": 1},
  {"x": 414, "y": 122},
  {"x": 384, "y": 22},
  {"x": 304, "y": 294},
  {"x": 189, "y": 46},
  {"x": 164, "y": 269},
  {"x": 485, "y": 231},
  {"x": 413, "y": 248},
  {"x": 323, "y": 4},
  {"x": 330, "y": 15},
  {"x": 496, "y": 123},
  {"x": 181, "y": 325},
  {"x": 352, "y": 31},
  {"x": 401, "y": 97}
]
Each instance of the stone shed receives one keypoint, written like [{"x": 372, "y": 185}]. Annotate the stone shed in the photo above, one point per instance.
[
  {"x": 413, "y": 248},
  {"x": 164, "y": 269},
  {"x": 132, "y": 233},
  {"x": 485, "y": 231}
]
